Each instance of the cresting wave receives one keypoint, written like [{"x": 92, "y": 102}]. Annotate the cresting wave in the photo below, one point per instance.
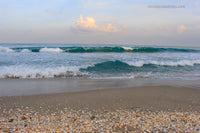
[
  {"x": 56, "y": 50},
  {"x": 5, "y": 49},
  {"x": 166, "y": 63},
  {"x": 113, "y": 68},
  {"x": 95, "y": 49},
  {"x": 153, "y": 66}
]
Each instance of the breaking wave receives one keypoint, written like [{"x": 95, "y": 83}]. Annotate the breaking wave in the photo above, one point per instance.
[
  {"x": 166, "y": 63},
  {"x": 56, "y": 50},
  {"x": 113, "y": 68},
  {"x": 25, "y": 50},
  {"x": 6, "y": 49},
  {"x": 20, "y": 71},
  {"x": 153, "y": 66}
]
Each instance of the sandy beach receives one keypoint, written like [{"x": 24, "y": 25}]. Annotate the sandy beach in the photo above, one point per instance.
[
  {"x": 155, "y": 108},
  {"x": 83, "y": 66}
]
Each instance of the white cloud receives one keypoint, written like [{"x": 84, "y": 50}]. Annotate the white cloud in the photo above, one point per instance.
[{"x": 88, "y": 25}]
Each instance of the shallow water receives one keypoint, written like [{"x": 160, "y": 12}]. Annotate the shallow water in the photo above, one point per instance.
[{"x": 19, "y": 87}]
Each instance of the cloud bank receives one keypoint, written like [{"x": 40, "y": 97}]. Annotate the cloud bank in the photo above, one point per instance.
[{"x": 88, "y": 25}]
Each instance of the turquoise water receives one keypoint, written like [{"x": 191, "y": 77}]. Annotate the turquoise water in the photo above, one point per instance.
[{"x": 98, "y": 61}]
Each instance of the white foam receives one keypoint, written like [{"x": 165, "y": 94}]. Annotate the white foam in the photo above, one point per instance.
[
  {"x": 178, "y": 63},
  {"x": 166, "y": 63},
  {"x": 137, "y": 64},
  {"x": 6, "y": 49},
  {"x": 54, "y": 50},
  {"x": 25, "y": 50},
  {"x": 127, "y": 48},
  {"x": 21, "y": 71}
]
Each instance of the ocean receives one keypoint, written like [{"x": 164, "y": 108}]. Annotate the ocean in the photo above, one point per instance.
[{"x": 47, "y": 61}]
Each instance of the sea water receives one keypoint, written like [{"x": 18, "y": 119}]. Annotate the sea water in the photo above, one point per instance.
[{"x": 35, "y": 61}]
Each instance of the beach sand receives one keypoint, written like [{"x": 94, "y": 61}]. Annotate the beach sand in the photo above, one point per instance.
[{"x": 137, "y": 109}]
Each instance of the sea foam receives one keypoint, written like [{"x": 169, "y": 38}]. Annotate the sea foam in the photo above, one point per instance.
[
  {"x": 6, "y": 49},
  {"x": 56, "y": 50},
  {"x": 20, "y": 71},
  {"x": 127, "y": 48},
  {"x": 25, "y": 50},
  {"x": 165, "y": 63}
]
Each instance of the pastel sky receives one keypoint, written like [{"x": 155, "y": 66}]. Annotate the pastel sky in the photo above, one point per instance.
[{"x": 137, "y": 22}]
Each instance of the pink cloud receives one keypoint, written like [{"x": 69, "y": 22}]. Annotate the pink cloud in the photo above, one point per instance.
[
  {"x": 88, "y": 24},
  {"x": 182, "y": 28}
]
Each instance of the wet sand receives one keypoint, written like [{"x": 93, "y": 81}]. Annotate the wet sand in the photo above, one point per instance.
[
  {"x": 153, "y": 98},
  {"x": 99, "y": 105}
]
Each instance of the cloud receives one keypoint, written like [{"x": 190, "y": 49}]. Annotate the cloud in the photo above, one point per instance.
[
  {"x": 89, "y": 25},
  {"x": 100, "y": 4},
  {"x": 198, "y": 27},
  {"x": 182, "y": 28},
  {"x": 91, "y": 4}
]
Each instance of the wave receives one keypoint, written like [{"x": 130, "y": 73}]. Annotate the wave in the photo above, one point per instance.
[
  {"x": 153, "y": 66},
  {"x": 105, "y": 69},
  {"x": 108, "y": 67},
  {"x": 25, "y": 50},
  {"x": 6, "y": 49},
  {"x": 97, "y": 49},
  {"x": 56, "y": 50},
  {"x": 15, "y": 72},
  {"x": 166, "y": 63},
  {"x": 94, "y": 49},
  {"x": 126, "y": 49}
]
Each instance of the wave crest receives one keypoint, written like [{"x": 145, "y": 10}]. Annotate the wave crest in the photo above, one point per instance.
[
  {"x": 166, "y": 63},
  {"x": 56, "y": 50},
  {"x": 181, "y": 63},
  {"x": 108, "y": 67},
  {"x": 127, "y": 48},
  {"x": 35, "y": 72},
  {"x": 6, "y": 49},
  {"x": 25, "y": 50},
  {"x": 122, "y": 67}
]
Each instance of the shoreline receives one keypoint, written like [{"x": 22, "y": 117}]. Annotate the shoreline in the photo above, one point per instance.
[
  {"x": 139, "y": 109},
  {"x": 22, "y": 87},
  {"x": 145, "y": 97}
]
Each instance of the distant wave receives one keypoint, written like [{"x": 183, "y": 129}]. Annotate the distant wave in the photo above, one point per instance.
[
  {"x": 5, "y": 49},
  {"x": 56, "y": 50},
  {"x": 25, "y": 50},
  {"x": 96, "y": 49},
  {"x": 126, "y": 49}
]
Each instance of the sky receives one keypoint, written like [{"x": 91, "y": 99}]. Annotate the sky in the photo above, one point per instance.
[{"x": 137, "y": 22}]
